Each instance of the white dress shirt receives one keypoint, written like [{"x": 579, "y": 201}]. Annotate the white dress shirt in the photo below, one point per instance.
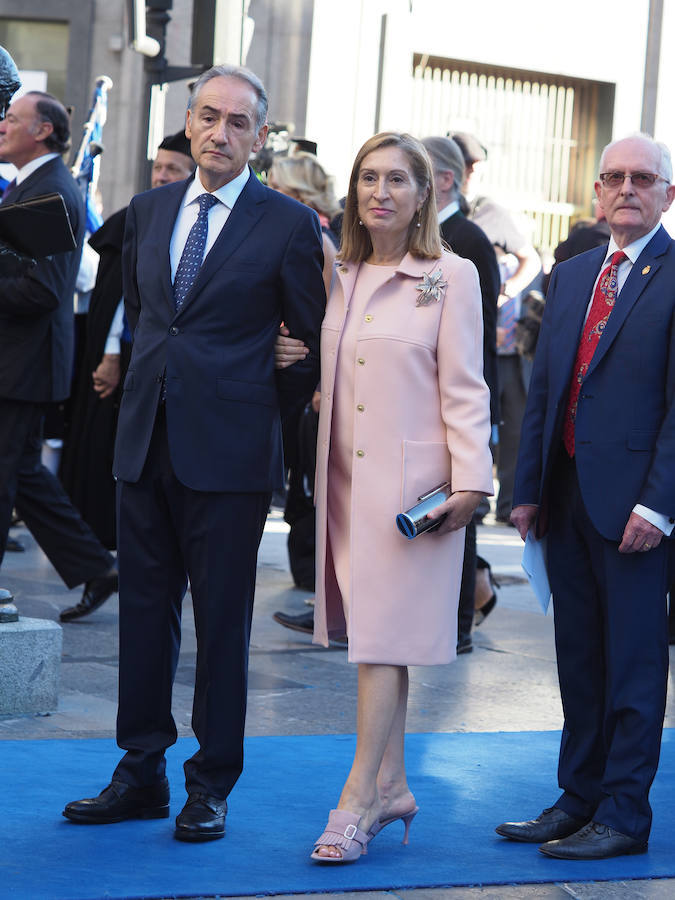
[
  {"x": 34, "y": 164},
  {"x": 114, "y": 339},
  {"x": 448, "y": 211},
  {"x": 218, "y": 214}
]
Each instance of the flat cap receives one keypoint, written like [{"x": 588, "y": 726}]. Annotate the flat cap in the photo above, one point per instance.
[{"x": 472, "y": 149}]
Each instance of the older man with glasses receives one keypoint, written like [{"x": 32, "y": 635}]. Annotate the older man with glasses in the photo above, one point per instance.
[{"x": 596, "y": 474}]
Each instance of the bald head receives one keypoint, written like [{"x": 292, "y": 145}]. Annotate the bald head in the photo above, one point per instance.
[{"x": 644, "y": 143}]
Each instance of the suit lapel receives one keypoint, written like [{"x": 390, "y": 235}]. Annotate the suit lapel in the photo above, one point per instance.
[
  {"x": 642, "y": 272},
  {"x": 166, "y": 212},
  {"x": 570, "y": 322}
]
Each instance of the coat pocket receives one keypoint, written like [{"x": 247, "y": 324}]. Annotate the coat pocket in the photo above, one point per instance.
[{"x": 425, "y": 465}]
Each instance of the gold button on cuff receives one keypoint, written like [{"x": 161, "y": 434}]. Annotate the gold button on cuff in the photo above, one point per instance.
[
  {"x": 361, "y": 361},
  {"x": 360, "y": 453},
  {"x": 360, "y": 407},
  {"x": 369, "y": 318}
]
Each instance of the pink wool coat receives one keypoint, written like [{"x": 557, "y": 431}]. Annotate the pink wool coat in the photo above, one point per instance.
[{"x": 421, "y": 417}]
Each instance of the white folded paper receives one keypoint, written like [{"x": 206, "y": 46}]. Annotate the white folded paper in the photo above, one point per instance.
[{"x": 534, "y": 566}]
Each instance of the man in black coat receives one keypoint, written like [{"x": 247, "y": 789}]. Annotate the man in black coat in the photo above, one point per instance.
[
  {"x": 466, "y": 239},
  {"x": 36, "y": 348}
]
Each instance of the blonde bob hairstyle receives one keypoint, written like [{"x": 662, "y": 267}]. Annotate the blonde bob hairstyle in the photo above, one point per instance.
[
  {"x": 423, "y": 242},
  {"x": 302, "y": 175}
]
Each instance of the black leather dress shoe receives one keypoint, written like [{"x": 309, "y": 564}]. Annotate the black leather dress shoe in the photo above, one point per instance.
[
  {"x": 303, "y": 622},
  {"x": 96, "y": 592},
  {"x": 14, "y": 546},
  {"x": 553, "y": 823},
  {"x": 120, "y": 801},
  {"x": 594, "y": 841},
  {"x": 201, "y": 819}
]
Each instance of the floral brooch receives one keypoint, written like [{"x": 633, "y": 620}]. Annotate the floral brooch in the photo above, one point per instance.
[{"x": 431, "y": 288}]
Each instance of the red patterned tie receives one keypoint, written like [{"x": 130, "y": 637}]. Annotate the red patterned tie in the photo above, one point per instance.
[{"x": 601, "y": 308}]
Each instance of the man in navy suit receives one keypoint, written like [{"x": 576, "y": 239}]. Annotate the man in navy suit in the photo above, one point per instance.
[
  {"x": 36, "y": 354},
  {"x": 212, "y": 267},
  {"x": 596, "y": 471}
]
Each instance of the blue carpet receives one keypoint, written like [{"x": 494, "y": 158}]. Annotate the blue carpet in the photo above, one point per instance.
[{"x": 465, "y": 784}]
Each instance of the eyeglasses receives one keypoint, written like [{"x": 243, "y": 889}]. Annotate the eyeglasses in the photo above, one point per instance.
[{"x": 639, "y": 180}]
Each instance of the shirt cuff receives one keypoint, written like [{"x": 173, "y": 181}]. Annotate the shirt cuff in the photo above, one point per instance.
[
  {"x": 664, "y": 523},
  {"x": 112, "y": 344}
]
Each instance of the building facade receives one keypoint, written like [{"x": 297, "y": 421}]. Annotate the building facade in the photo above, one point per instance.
[{"x": 542, "y": 90}]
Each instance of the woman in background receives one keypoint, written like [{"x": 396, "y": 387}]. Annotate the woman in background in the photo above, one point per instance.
[{"x": 302, "y": 177}]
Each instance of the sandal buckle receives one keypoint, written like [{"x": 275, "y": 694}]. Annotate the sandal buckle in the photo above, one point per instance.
[{"x": 350, "y": 831}]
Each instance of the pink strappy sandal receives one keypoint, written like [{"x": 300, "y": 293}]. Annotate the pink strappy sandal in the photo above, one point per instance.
[
  {"x": 342, "y": 831},
  {"x": 406, "y": 818}
]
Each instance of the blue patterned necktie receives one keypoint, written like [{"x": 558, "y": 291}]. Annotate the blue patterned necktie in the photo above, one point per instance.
[{"x": 193, "y": 251}]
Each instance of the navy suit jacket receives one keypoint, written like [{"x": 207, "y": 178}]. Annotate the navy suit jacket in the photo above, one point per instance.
[
  {"x": 625, "y": 424},
  {"x": 36, "y": 309},
  {"x": 223, "y": 397}
]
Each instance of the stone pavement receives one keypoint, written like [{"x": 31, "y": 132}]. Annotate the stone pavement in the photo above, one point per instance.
[{"x": 508, "y": 683}]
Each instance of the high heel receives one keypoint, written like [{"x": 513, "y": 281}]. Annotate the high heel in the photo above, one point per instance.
[
  {"x": 342, "y": 831},
  {"x": 406, "y": 818},
  {"x": 480, "y": 615},
  {"x": 482, "y": 612}
]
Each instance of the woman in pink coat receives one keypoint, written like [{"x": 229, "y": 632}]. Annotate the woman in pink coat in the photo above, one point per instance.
[{"x": 404, "y": 407}]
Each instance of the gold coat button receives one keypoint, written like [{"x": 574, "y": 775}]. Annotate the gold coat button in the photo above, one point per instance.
[
  {"x": 361, "y": 361},
  {"x": 360, "y": 453},
  {"x": 369, "y": 318},
  {"x": 360, "y": 407}
]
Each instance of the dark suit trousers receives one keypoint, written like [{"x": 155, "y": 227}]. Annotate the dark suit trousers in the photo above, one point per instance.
[
  {"x": 612, "y": 648},
  {"x": 467, "y": 589},
  {"x": 41, "y": 501},
  {"x": 167, "y": 534},
  {"x": 512, "y": 400}
]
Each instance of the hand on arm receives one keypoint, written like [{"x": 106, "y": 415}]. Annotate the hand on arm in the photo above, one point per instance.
[
  {"x": 288, "y": 350},
  {"x": 523, "y": 518},
  {"x": 639, "y": 535}
]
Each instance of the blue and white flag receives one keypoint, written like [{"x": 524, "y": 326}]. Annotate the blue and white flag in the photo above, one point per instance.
[{"x": 87, "y": 163}]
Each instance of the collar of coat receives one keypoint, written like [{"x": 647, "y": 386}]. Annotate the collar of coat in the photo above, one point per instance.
[{"x": 410, "y": 266}]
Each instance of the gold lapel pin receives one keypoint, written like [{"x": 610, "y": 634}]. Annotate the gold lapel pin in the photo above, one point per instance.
[{"x": 646, "y": 270}]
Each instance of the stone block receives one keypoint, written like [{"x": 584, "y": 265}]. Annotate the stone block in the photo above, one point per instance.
[{"x": 30, "y": 659}]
